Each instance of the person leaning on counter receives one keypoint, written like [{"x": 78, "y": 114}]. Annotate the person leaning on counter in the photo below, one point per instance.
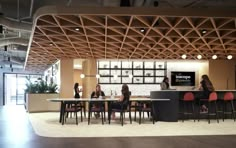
[{"x": 165, "y": 84}]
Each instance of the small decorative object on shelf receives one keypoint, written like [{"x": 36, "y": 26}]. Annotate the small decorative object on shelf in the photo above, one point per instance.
[
  {"x": 148, "y": 74},
  {"x": 138, "y": 66},
  {"x": 115, "y": 66},
  {"x": 160, "y": 66},
  {"x": 112, "y": 95},
  {"x": 104, "y": 66}
]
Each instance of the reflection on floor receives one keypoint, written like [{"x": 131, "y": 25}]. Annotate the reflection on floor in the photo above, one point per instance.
[{"x": 17, "y": 132}]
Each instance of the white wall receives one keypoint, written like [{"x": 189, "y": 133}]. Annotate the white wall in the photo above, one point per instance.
[{"x": 199, "y": 67}]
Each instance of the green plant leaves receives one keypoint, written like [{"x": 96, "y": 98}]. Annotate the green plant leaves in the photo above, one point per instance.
[{"x": 40, "y": 87}]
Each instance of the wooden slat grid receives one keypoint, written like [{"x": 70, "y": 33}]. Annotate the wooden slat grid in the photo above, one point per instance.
[{"x": 120, "y": 37}]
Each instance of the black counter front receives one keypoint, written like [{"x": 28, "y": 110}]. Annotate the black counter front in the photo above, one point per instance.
[
  {"x": 166, "y": 110},
  {"x": 169, "y": 110}
]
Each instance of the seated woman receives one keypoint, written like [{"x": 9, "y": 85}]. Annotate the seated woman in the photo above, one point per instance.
[
  {"x": 97, "y": 94},
  {"x": 206, "y": 87},
  {"x": 123, "y": 100}
]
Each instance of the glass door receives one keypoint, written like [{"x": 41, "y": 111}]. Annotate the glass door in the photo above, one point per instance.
[
  {"x": 10, "y": 89},
  {"x": 14, "y": 88},
  {"x": 20, "y": 88}
]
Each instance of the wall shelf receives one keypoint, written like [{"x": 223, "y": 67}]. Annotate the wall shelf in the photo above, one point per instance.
[{"x": 150, "y": 72}]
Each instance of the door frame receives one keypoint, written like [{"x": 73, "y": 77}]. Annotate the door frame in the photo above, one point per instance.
[{"x": 4, "y": 77}]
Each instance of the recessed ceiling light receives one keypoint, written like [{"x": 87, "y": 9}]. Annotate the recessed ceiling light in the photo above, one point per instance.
[
  {"x": 77, "y": 29},
  {"x": 229, "y": 57},
  {"x": 199, "y": 56},
  {"x": 214, "y": 57},
  {"x": 184, "y": 56},
  {"x": 50, "y": 44},
  {"x": 204, "y": 31},
  {"x": 142, "y": 30}
]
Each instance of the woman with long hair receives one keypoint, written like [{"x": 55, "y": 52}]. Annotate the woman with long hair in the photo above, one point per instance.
[
  {"x": 207, "y": 87},
  {"x": 98, "y": 93},
  {"x": 123, "y": 100},
  {"x": 77, "y": 90},
  {"x": 165, "y": 83}
]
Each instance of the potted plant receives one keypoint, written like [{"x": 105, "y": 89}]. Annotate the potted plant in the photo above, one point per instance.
[
  {"x": 42, "y": 87},
  {"x": 52, "y": 88},
  {"x": 37, "y": 94}
]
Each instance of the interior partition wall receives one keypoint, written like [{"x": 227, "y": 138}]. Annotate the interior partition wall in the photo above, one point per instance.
[
  {"x": 14, "y": 86},
  {"x": 144, "y": 76},
  {"x": 131, "y": 72}
]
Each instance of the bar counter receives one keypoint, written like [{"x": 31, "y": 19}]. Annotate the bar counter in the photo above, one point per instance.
[{"x": 169, "y": 110}]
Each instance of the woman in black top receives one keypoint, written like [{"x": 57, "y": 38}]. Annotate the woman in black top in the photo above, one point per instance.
[
  {"x": 97, "y": 94},
  {"x": 77, "y": 96},
  {"x": 76, "y": 90},
  {"x": 123, "y": 100},
  {"x": 207, "y": 87}
]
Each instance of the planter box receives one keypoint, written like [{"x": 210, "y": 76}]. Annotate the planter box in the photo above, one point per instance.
[{"x": 39, "y": 103}]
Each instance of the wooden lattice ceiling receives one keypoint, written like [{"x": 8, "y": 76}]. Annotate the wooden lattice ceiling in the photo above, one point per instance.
[{"x": 119, "y": 36}]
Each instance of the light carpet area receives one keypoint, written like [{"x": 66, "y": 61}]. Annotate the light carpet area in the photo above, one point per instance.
[{"x": 47, "y": 125}]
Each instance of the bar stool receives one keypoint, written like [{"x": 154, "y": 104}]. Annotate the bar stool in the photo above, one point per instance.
[
  {"x": 211, "y": 101},
  {"x": 187, "y": 99},
  {"x": 228, "y": 99}
]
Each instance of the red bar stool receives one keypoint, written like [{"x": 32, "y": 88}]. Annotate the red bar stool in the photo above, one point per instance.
[
  {"x": 211, "y": 101},
  {"x": 187, "y": 100},
  {"x": 228, "y": 99}
]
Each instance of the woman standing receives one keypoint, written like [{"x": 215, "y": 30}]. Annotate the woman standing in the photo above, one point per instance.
[
  {"x": 77, "y": 90},
  {"x": 77, "y": 96},
  {"x": 165, "y": 83}
]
